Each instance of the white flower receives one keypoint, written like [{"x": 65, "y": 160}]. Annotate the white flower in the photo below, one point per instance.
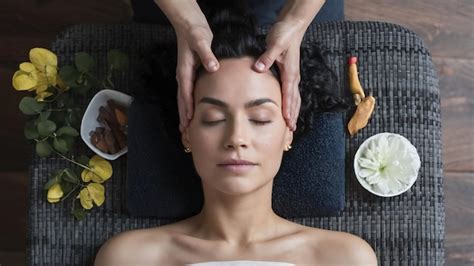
[{"x": 388, "y": 162}]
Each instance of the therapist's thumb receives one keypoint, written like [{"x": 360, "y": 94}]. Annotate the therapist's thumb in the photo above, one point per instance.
[
  {"x": 266, "y": 60},
  {"x": 208, "y": 59}
]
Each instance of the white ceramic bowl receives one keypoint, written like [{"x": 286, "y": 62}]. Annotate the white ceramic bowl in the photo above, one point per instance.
[
  {"x": 89, "y": 120},
  {"x": 396, "y": 159}
]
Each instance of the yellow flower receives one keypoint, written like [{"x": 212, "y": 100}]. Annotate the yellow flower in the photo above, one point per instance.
[
  {"x": 38, "y": 74},
  {"x": 55, "y": 193},
  {"x": 26, "y": 78},
  {"x": 27, "y": 67},
  {"x": 101, "y": 170},
  {"x": 92, "y": 193},
  {"x": 42, "y": 58}
]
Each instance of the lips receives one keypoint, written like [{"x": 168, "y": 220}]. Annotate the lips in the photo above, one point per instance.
[{"x": 236, "y": 162}]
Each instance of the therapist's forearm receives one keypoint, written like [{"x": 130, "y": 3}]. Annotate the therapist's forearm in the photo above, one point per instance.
[
  {"x": 182, "y": 14},
  {"x": 301, "y": 11}
]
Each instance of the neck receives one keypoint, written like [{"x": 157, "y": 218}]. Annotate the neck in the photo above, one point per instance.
[{"x": 238, "y": 219}]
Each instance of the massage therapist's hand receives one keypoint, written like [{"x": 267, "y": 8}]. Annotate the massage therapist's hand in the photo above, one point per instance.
[
  {"x": 283, "y": 48},
  {"x": 194, "y": 38},
  {"x": 194, "y": 48}
]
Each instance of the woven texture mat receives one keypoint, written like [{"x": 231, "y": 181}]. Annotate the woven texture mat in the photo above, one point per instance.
[{"x": 393, "y": 63}]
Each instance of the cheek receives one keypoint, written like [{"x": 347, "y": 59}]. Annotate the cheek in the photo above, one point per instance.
[
  {"x": 270, "y": 148},
  {"x": 203, "y": 145},
  {"x": 270, "y": 139}
]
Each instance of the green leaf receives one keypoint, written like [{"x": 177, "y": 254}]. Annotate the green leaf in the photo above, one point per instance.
[
  {"x": 74, "y": 117},
  {"x": 69, "y": 141},
  {"x": 51, "y": 183},
  {"x": 56, "y": 178},
  {"x": 30, "y": 130},
  {"x": 70, "y": 176},
  {"x": 117, "y": 60},
  {"x": 43, "y": 149},
  {"x": 44, "y": 115},
  {"x": 60, "y": 145},
  {"x": 91, "y": 80},
  {"x": 84, "y": 62},
  {"x": 69, "y": 75},
  {"x": 58, "y": 117},
  {"x": 46, "y": 128},
  {"x": 79, "y": 213},
  {"x": 29, "y": 106},
  {"x": 69, "y": 131},
  {"x": 84, "y": 160},
  {"x": 66, "y": 186},
  {"x": 59, "y": 172}
]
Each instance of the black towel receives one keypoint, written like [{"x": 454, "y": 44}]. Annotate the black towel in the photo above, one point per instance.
[{"x": 162, "y": 181}]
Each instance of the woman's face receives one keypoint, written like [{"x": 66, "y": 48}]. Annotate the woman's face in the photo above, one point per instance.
[{"x": 226, "y": 125}]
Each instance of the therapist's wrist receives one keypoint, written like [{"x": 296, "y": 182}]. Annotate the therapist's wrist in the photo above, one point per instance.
[
  {"x": 299, "y": 24},
  {"x": 300, "y": 12},
  {"x": 182, "y": 14}
]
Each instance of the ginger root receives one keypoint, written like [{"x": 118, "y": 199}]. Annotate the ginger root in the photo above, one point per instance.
[
  {"x": 361, "y": 116},
  {"x": 365, "y": 105},
  {"x": 354, "y": 83}
]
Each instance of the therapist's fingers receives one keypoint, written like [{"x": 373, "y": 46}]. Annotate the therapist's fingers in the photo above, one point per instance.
[
  {"x": 266, "y": 60},
  {"x": 185, "y": 78},
  {"x": 296, "y": 101},
  {"x": 290, "y": 77},
  {"x": 287, "y": 91},
  {"x": 200, "y": 42},
  {"x": 292, "y": 74},
  {"x": 208, "y": 59},
  {"x": 181, "y": 110},
  {"x": 185, "y": 100},
  {"x": 296, "y": 109}
]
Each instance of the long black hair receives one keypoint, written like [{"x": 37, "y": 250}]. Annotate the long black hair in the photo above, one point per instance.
[{"x": 235, "y": 35}]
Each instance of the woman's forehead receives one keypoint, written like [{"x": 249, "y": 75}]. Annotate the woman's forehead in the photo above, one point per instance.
[{"x": 237, "y": 78}]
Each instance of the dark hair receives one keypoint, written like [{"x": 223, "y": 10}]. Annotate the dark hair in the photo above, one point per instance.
[{"x": 234, "y": 36}]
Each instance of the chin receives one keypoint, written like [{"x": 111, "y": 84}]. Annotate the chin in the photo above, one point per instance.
[
  {"x": 234, "y": 185},
  {"x": 238, "y": 185}
]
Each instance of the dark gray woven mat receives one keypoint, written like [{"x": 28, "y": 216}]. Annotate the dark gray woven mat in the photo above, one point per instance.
[{"x": 393, "y": 64}]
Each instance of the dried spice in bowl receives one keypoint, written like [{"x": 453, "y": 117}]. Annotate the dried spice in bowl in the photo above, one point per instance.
[{"x": 111, "y": 137}]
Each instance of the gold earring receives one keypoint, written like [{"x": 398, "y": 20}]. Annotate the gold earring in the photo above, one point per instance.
[{"x": 187, "y": 150}]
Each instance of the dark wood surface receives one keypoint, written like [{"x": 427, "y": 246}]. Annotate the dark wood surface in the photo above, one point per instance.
[{"x": 447, "y": 27}]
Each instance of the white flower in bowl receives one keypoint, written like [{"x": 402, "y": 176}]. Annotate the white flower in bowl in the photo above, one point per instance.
[{"x": 387, "y": 164}]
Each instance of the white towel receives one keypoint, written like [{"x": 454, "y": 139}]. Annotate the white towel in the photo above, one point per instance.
[{"x": 241, "y": 263}]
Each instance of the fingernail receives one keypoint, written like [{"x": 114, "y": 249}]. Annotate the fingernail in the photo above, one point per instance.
[
  {"x": 260, "y": 65},
  {"x": 189, "y": 116},
  {"x": 212, "y": 66}
]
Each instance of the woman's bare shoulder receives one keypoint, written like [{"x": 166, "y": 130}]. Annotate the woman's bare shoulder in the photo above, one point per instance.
[
  {"x": 341, "y": 248},
  {"x": 135, "y": 247}
]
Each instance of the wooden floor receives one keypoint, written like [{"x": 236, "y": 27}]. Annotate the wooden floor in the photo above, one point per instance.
[{"x": 447, "y": 27}]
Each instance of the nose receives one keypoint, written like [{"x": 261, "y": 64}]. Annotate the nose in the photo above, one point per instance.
[{"x": 237, "y": 134}]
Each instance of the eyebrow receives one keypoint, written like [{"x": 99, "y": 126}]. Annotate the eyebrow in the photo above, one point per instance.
[{"x": 249, "y": 104}]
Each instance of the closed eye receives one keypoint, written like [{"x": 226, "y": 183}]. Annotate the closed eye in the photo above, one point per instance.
[
  {"x": 211, "y": 123},
  {"x": 261, "y": 122}
]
